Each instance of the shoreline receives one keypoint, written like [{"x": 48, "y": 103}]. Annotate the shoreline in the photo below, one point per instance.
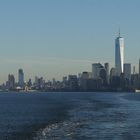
[{"x": 39, "y": 91}]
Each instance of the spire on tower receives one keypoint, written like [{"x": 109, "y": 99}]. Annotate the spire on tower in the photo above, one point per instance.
[{"x": 119, "y": 33}]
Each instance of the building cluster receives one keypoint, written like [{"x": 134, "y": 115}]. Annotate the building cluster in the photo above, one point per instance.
[
  {"x": 101, "y": 78},
  {"x": 11, "y": 83}
]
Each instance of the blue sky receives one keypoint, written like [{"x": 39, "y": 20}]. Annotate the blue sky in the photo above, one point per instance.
[{"x": 52, "y": 38}]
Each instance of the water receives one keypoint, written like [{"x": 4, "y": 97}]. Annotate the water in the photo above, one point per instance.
[{"x": 69, "y": 116}]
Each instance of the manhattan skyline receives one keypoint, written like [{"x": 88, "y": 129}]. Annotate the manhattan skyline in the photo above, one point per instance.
[{"x": 56, "y": 38}]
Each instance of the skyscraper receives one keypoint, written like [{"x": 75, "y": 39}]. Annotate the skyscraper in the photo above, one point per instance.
[
  {"x": 119, "y": 55},
  {"x": 96, "y": 67},
  {"x": 21, "y": 78},
  {"x": 11, "y": 81},
  {"x": 106, "y": 65},
  {"x": 127, "y": 71}
]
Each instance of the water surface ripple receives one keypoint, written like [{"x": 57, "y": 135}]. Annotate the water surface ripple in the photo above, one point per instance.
[{"x": 69, "y": 116}]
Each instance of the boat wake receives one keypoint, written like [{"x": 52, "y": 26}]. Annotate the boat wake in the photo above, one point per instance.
[{"x": 63, "y": 130}]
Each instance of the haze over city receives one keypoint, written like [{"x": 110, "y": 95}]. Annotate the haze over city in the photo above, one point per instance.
[{"x": 55, "y": 38}]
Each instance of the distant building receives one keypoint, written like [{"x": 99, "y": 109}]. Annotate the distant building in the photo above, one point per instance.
[
  {"x": 65, "y": 82},
  {"x": 99, "y": 72},
  {"x": 39, "y": 82},
  {"x": 119, "y": 55},
  {"x": 83, "y": 80},
  {"x": 20, "y": 78},
  {"x": 114, "y": 80},
  {"x": 73, "y": 82},
  {"x": 127, "y": 71},
  {"x": 135, "y": 81},
  {"x": 112, "y": 72},
  {"x": 29, "y": 83},
  {"x": 106, "y": 65},
  {"x": 96, "y": 67},
  {"x": 94, "y": 84},
  {"x": 90, "y": 75},
  {"x": 103, "y": 76},
  {"x": 11, "y": 82},
  {"x": 85, "y": 75}
]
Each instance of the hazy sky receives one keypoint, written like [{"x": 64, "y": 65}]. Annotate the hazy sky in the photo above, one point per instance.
[{"x": 52, "y": 38}]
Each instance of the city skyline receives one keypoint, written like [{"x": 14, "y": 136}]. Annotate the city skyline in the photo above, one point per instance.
[{"x": 66, "y": 36}]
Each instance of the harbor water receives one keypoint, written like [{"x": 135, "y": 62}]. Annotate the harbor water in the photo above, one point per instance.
[{"x": 69, "y": 116}]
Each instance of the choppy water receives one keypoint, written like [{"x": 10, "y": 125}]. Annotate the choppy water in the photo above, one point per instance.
[{"x": 69, "y": 116}]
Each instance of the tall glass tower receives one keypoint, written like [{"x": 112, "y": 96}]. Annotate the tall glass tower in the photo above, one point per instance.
[
  {"x": 21, "y": 78},
  {"x": 119, "y": 55}
]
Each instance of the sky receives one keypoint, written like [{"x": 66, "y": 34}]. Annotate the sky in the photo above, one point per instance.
[{"x": 53, "y": 38}]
